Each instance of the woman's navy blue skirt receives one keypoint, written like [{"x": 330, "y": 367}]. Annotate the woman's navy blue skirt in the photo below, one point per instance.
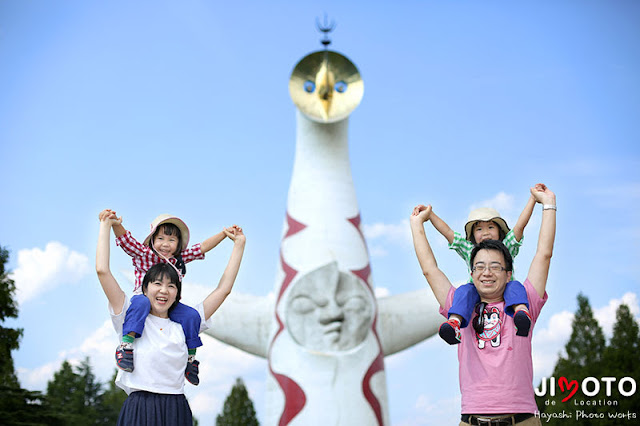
[{"x": 155, "y": 409}]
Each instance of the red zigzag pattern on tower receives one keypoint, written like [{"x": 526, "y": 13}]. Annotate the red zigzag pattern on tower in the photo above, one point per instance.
[
  {"x": 294, "y": 397},
  {"x": 378, "y": 362}
]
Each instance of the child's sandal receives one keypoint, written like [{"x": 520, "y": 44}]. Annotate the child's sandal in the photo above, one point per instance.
[
  {"x": 522, "y": 321},
  {"x": 450, "y": 332}
]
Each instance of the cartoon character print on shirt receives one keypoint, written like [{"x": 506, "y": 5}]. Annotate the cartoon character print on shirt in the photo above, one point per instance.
[{"x": 492, "y": 327}]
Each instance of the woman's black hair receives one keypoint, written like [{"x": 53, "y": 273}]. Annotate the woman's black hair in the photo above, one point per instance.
[
  {"x": 501, "y": 233},
  {"x": 157, "y": 273}
]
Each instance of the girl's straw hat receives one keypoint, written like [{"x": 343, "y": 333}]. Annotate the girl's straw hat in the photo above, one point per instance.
[
  {"x": 167, "y": 218},
  {"x": 484, "y": 214}
]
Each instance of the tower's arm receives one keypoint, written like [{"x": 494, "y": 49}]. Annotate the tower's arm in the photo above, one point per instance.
[
  {"x": 243, "y": 322},
  {"x": 407, "y": 319}
]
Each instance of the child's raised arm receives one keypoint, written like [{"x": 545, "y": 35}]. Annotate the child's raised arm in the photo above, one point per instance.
[
  {"x": 217, "y": 296},
  {"x": 523, "y": 220},
  {"x": 118, "y": 229},
  {"x": 110, "y": 286},
  {"x": 212, "y": 241},
  {"x": 442, "y": 227}
]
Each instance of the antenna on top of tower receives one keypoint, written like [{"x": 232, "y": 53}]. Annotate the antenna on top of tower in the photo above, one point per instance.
[{"x": 326, "y": 27}]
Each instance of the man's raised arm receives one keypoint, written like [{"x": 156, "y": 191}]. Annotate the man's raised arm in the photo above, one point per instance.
[
  {"x": 539, "y": 270},
  {"x": 437, "y": 280}
]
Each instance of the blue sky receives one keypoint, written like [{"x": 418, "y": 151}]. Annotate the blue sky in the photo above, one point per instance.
[{"x": 157, "y": 106}]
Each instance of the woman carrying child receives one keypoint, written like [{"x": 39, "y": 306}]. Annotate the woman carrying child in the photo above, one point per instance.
[
  {"x": 156, "y": 386},
  {"x": 168, "y": 241}
]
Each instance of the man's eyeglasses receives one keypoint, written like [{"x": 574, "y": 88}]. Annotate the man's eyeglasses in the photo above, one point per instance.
[{"x": 494, "y": 267}]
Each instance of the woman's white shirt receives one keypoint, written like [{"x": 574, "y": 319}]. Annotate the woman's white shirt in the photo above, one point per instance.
[{"x": 160, "y": 354}]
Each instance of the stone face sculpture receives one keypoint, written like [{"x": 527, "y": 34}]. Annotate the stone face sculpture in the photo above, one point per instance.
[
  {"x": 326, "y": 335},
  {"x": 329, "y": 310}
]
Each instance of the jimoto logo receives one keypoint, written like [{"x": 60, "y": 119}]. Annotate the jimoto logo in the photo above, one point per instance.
[{"x": 589, "y": 386}]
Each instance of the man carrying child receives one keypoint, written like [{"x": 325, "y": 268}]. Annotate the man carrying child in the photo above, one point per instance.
[{"x": 505, "y": 364}]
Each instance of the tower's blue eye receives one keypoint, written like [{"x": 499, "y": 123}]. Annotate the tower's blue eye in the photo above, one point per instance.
[
  {"x": 309, "y": 86},
  {"x": 340, "y": 86}
]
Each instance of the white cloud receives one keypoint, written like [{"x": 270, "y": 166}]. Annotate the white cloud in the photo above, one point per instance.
[
  {"x": 193, "y": 293},
  {"x": 99, "y": 346},
  {"x": 393, "y": 232},
  {"x": 427, "y": 411},
  {"x": 390, "y": 231},
  {"x": 548, "y": 342},
  {"x": 606, "y": 315},
  {"x": 377, "y": 251},
  {"x": 502, "y": 202},
  {"x": 381, "y": 292},
  {"x": 37, "y": 378},
  {"x": 220, "y": 365},
  {"x": 39, "y": 271},
  {"x": 202, "y": 405},
  {"x": 128, "y": 275},
  {"x": 380, "y": 235}
]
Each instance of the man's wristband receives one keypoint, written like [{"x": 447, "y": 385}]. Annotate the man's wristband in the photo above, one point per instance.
[{"x": 549, "y": 207}]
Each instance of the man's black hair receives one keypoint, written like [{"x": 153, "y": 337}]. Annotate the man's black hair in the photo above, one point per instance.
[{"x": 496, "y": 246}]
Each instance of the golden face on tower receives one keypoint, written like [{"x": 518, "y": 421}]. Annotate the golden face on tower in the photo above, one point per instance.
[{"x": 326, "y": 86}]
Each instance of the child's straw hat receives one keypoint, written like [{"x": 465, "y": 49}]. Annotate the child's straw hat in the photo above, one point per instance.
[
  {"x": 167, "y": 218},
  {"x": 484, "y": 214}
]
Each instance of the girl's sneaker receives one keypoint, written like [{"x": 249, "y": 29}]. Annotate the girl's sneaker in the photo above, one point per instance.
[
  {"x": 124, "y": 357},
  {"x": 191, "y": 373}
]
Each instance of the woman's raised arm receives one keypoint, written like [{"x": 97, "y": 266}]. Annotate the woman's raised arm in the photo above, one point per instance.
[{"x": 110, "y": 286}]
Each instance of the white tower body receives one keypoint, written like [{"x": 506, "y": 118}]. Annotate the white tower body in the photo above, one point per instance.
[{"x": 325, "y": 359}]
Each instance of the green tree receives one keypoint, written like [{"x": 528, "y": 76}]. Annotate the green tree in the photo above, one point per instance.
[
  {"x": 111, "y": 402},
  {"x": 75, "y": 394},
  {"x": 622, "y": 358},
  {"x": 584, "y": 353},
  {"x": 9, "y": 337},
  {"x": 20, "y": 407},
  {"x": 17, "y": 406},
  {"x": 238, "y": 408},
  {"x": 586, "y": 345}
]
